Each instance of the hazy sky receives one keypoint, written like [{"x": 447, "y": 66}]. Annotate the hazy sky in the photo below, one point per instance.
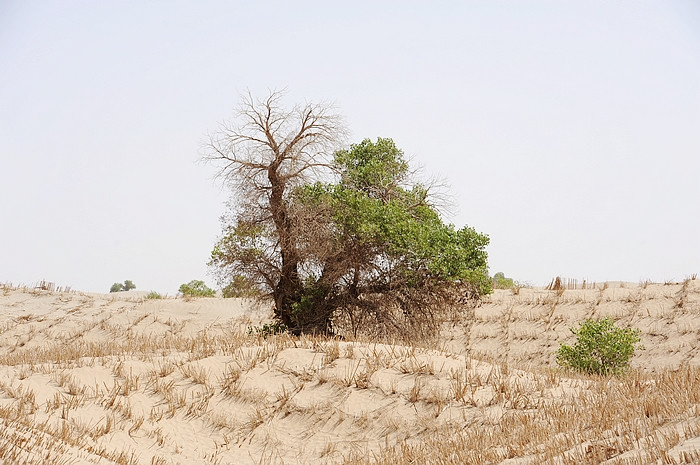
[{"x": 568, "y": 131}]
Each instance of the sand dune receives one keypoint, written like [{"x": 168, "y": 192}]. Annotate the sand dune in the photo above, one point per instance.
[
  {"x": 94, "y": 378},
  {"x": 529, "y": 327}
]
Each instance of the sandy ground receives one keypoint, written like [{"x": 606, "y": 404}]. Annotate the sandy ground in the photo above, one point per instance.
[
  {"x": 529, "y": 327},
  {"x": 95, "y": 378}
]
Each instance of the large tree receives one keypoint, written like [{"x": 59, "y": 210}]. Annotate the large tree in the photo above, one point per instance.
[
  {"x": 336, "y": 235},
  {"x": 383, "y": 257},
  {"x": 264, "y": 154}
]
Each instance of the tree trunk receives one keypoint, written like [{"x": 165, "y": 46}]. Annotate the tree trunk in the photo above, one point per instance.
[{"x": 289, "y": 288}]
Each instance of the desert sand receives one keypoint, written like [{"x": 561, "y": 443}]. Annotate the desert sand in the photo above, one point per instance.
[{"x": 114, "y": 378}]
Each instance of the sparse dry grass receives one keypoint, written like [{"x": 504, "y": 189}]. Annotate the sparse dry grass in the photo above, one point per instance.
[
  {"x": 639, "y": 419},
  {"x": 107, "y": 379}
]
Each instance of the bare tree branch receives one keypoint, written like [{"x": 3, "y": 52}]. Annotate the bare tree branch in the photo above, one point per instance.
[{"x": 263, "y": 155}]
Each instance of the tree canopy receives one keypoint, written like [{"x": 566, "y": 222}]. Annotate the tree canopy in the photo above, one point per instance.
[
  {"x": 358, "y": 244},
  {"x": 119, "y": 287},
  {"x": 384, "y": 246}
]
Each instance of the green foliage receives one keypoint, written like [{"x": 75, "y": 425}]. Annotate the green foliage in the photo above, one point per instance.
[
  {"x": 305, "y": 311},
  {"x": 501, "y": 282},
  {"x": 196, "y": 288},
  {"x": 371, "y": 209},
  {"x": 373, "y": 168},
  {"x": 116, "y": 287},
  {"x": 384, "y": 238},
  {"x": 268, "y": 329},
  {"x": 153, "y": 295},
  {"x": 119, "y": 287},
  {"x": 601, "y": 348},
  {"x": 241, "y": 258},
  {"x": 240, "y": 286}
]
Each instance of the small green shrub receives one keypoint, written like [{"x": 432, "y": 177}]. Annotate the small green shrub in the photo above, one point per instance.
[
  {"x": 268, "y": 329},
  {"x": 153, "y": 295},
  {"x": 601, "y": 348},
  {"x": 119, "y": 287},
  {"x": 196, "y": 288}
]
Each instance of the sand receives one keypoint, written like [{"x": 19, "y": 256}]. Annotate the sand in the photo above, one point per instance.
[{"x": 113, "y": 378}]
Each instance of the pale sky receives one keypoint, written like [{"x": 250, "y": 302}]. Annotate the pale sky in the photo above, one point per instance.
[{"x": 568, "y": 131}]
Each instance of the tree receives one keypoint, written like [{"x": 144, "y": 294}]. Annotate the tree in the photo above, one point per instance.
[
  {"x": 269, "y": 153},
  {"x": 333, "y": 234},
  {"x": 501, "y": 282},
  {"x": 119, "y": 287},
  {"x": 382, "y": 254},
  {"x": 116, "y": 287},
  {"x": 196, "y": 288}
]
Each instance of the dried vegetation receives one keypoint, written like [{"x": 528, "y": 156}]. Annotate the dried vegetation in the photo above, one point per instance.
[{"x": 94, "y": 379}]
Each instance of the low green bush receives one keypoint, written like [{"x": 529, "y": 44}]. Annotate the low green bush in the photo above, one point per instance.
[
  {"x": 601, "y": 348},
  {"x": 153, "y": 295},
  {"x": 268, "y": 329},
  {"x": 196, "y": 288}
]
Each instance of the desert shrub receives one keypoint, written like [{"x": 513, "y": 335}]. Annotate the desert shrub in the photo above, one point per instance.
[
  {"x": 601, "y": 348},
  {"x": 501, "y": 282},
  {"x": 153, "y": 295},
  {"x": 268, "y": 329},
  {"x": 196, "y": 288},
  {"x": 119, "y": 287}
]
